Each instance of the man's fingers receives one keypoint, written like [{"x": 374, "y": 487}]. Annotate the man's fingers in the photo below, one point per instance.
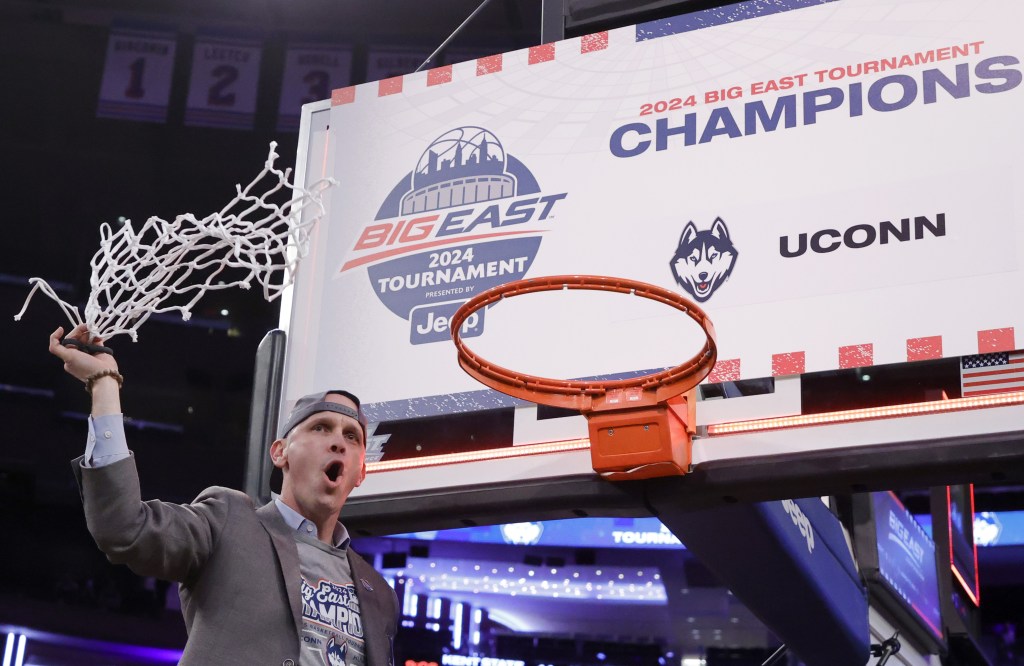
[
  {"x": 56, "y": 348},
  {"x": 80, "y": 332},
  {"x": 65, "y": 352}
]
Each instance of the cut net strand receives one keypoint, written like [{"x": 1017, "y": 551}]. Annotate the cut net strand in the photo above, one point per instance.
[{"x": 167, "y": 266}]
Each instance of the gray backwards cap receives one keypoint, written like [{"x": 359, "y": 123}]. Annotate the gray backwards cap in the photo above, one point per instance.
[{"x": 310, "y": 404}]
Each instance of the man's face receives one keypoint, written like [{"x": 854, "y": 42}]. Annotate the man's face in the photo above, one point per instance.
[{"x": 322, "y": 459}]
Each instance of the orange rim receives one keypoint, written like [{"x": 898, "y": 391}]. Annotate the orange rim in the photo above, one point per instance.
[{"x": 588, "y": 395}]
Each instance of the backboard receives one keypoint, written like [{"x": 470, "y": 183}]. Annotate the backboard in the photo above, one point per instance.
[{"x": 781, "y": 168}]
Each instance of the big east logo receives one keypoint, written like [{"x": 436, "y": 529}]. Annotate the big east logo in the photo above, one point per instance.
[{"x": 469, "y": 217}]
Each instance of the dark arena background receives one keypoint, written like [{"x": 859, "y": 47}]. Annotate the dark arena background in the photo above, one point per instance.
[{"x": 606, "y": 584}]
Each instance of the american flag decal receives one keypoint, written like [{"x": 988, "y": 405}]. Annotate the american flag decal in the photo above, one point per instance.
[{"x": 1002, "y": 372}]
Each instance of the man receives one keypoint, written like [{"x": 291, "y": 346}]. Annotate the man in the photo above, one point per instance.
[{"x": 271, "y": 585}]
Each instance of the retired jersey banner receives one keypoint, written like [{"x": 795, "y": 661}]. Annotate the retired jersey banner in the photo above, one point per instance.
[
  {"x": 311, "y": 72},
  {"x": 385, "y": 63},
  {"x": 837, "y": 185},
  {"x": 224, "y": 83},
  {"x": 137, "y": 75}
]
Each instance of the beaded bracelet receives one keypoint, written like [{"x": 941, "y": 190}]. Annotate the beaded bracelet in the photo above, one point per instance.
[{"x": 96, "y": 376}]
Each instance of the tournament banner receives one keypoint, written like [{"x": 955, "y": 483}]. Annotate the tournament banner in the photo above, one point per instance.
[
  {"x": 836, "y": 182},
  {"x": 136, "y": 81},
  {"x": 224, "y": 83},
  {"x": 311, "y": 72}
]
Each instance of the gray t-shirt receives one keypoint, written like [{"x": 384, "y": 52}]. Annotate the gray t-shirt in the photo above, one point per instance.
[{"x": 332, "y": 626}]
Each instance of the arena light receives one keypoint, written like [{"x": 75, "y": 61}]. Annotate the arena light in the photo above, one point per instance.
[
  {"x": 457, "y": 628},
  {"x": 870, "y": 414},
  {"x": 967, "y": 587},
  {"x": 14, "y": 656},
  {"x": 9, "y": 649},
  {"x": 17, "y": 643}
]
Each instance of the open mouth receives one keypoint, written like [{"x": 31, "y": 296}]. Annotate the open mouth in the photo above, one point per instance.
[{"x": 333, "y": 471}]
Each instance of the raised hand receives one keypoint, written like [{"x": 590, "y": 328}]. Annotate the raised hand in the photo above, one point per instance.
[{"x": 79, "y": 364}]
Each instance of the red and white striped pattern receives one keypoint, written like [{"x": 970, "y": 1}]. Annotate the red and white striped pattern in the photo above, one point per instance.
[
  {"x": 990, "y": 341},
  {"x": 534, "y": 55}
]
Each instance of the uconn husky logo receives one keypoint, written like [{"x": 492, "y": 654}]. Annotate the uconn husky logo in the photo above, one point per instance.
[
  {"x": 336, "y": 653},
  {"x": 704, "y": 259}
]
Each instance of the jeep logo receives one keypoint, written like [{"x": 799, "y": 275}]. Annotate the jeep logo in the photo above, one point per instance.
[{"x": 430, "y": 323}]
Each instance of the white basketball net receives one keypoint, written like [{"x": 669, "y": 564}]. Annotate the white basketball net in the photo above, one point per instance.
[{"x": 168, "y": 266}]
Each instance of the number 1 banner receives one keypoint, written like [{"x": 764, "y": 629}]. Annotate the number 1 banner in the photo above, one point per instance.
[
  {"x": 311, "y": 72},
  {"x": 225, "y": 78},
  {"x": 137, "y": 77}
]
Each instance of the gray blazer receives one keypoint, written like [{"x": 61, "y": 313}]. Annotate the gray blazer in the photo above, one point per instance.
[{"x": 238, "y": 567}]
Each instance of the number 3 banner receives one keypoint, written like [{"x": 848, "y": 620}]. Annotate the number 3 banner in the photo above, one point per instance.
[
  {"x": 311, "y": 72},
  {"x": 225, "y": 78},
  {"x": 137, "y": 76}
]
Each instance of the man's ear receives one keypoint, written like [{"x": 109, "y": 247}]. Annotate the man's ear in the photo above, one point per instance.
[
  {"x": 362, "y": 473},
  {"x": 278, "y": 454}
]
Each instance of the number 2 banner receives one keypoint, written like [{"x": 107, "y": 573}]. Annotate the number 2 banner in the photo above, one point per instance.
[
  {"x": 225, "y": 79},
  {"x": 137, "y": 76}
]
